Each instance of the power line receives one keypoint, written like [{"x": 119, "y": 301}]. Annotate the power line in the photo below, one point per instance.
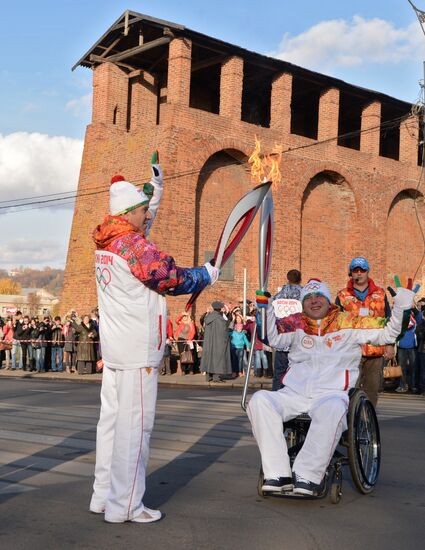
[{"x": 49, "y": 201}]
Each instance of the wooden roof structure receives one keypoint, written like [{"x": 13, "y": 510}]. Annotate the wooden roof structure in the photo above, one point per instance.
[{"x": 140, "y": 42}]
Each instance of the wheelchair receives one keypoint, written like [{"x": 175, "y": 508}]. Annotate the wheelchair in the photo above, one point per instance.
[{"x": 359, "y": 448}]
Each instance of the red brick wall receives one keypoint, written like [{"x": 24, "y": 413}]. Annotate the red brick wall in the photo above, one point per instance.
[
  {"x": 405, "y": 242},
  {"x": 328, "y": 230},
  {"x": 320, "y": 222}
]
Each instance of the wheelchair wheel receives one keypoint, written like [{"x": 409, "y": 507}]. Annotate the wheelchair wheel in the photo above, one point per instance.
[
  {"x": 336, "y": 487},
  {"x": 260, "y": 484},
  {"x": 364, "y": 444}
]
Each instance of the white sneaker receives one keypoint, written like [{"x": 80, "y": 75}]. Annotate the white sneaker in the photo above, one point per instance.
[
  {"x": 147, "y": 516},
  {"x": 97, "y": 509}
]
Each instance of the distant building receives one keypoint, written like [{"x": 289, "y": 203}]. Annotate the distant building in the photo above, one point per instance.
[{"x": 32, "y": 301}]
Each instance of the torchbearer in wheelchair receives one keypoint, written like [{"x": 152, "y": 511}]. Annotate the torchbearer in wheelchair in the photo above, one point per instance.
[{"x": 325, "y": 351}]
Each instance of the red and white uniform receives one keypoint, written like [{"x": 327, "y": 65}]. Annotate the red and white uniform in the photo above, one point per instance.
[
  {"x": 132, "y": 278},
  {"x": 323, "y": 365}
]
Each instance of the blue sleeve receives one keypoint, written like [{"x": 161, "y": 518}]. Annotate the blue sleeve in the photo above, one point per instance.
[
  {"x": 190, "y": 280},
  {"x": 258, "y": 321}
]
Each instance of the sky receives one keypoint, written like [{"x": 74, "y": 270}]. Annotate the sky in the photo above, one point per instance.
[{"x": 45, "y": 107}]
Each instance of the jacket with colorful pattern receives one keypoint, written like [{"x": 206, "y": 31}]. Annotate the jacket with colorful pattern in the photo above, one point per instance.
[
  {"x": 324, "y": 355},
  {"x": 375, "y": 304},
  {"x": 155, "y": 269},
  {"x": 132, "y": 278}
]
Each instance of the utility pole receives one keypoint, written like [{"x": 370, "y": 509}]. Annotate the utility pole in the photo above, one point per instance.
[
  {"x": 421, "y": 18},
  {"x": 420, "y": 110}
]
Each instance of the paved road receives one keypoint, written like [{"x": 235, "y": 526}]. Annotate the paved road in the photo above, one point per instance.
[{"x": 203, "y": 473}]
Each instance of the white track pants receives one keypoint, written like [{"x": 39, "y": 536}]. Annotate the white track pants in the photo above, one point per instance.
[
  {"x": 267, "y": 410},
  {"x": 128, "y": 400}
]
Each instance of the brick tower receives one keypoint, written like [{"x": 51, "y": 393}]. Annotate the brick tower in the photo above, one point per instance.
[{"x": 200, "y": 102}]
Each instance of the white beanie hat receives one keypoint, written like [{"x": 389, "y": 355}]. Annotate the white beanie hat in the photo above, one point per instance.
[
  {"x": 124, "y": 196},
  {"x": 315, "y": 286}
]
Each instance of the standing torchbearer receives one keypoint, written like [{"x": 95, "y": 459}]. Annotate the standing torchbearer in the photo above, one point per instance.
[{"x": 133, "y": 277}]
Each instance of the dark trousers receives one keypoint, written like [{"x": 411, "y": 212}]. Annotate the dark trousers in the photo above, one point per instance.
[
  {"x": 407, "y": 362},
  {"x": 237, "y": 356},
  {"x": 371, "y": 377},
  {"x": 57, "y": 359},
  {"x": 47, "y": 357},
  {"x": 269, "y": 355},
  {"x": 166, "y": 365},
  {"x": 420, "y": 384},
  {"x": 280, "y": 368},
  {"x": 25, "y": 354}
]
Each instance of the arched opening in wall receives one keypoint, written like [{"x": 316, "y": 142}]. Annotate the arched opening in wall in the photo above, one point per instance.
[
  {"x": 405, "y": 243},
  {"x": 328, "y": 229},
  {"x": 223, "y": 180}
]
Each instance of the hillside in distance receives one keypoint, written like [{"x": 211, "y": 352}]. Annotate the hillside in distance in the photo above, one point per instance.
[{"x": 49, "y": 278}]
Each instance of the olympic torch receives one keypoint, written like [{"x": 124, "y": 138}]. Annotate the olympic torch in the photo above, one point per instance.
[
  {"x": 240, "y": 217},
  {"x": 264, "y": 262}
]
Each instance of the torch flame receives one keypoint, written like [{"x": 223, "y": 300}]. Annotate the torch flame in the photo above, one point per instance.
[
  {"x": 274, "y": 160},
  {"x": 257, "y": 168},
  {"x": 262, "y": 164}
]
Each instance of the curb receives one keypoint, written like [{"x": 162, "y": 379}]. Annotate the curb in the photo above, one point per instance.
[{"x": 168, "y": 381}]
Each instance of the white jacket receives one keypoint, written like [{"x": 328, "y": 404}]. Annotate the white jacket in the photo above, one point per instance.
[
  {"x": 132, "y": 317},
  {"x": 322, "y": 361}
]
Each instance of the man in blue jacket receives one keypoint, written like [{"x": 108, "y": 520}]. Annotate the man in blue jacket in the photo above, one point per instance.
[{"x": 407, "y": 348}]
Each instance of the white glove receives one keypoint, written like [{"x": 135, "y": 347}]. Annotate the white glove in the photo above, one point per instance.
[
  {"x": 156, "y": 182},
  {"x": 157, "y": 177},
  {"x": 404, "y": 298},
  {"x": 213, "y": 272}
]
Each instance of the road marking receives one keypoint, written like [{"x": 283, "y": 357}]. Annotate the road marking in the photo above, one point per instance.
[{"x": 49, "y": 391}]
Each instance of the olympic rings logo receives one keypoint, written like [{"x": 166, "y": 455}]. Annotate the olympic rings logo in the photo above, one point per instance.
[{"x": 103, "y": 277}]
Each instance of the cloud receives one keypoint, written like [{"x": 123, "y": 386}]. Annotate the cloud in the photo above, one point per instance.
[
  {"x": 33, "y": 164},
  {"x": 341, "y": 43},
  {"x": 31, "y": 252},
  {"x": 80, "y": 107}
]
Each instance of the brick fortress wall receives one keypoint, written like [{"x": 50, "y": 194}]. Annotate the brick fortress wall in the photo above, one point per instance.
[{"x": 333, "y": 202}]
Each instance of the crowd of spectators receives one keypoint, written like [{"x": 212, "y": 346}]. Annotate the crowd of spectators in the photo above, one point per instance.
[
  {"x": 185, "y": 343},
  {"x": 72, "y": 344},
  {"x": 51, "y": 344}
]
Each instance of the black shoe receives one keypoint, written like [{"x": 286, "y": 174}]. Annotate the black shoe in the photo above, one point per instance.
[
  {"x": 303, "y": 486},
  {"x": 275, "y": 484}
]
